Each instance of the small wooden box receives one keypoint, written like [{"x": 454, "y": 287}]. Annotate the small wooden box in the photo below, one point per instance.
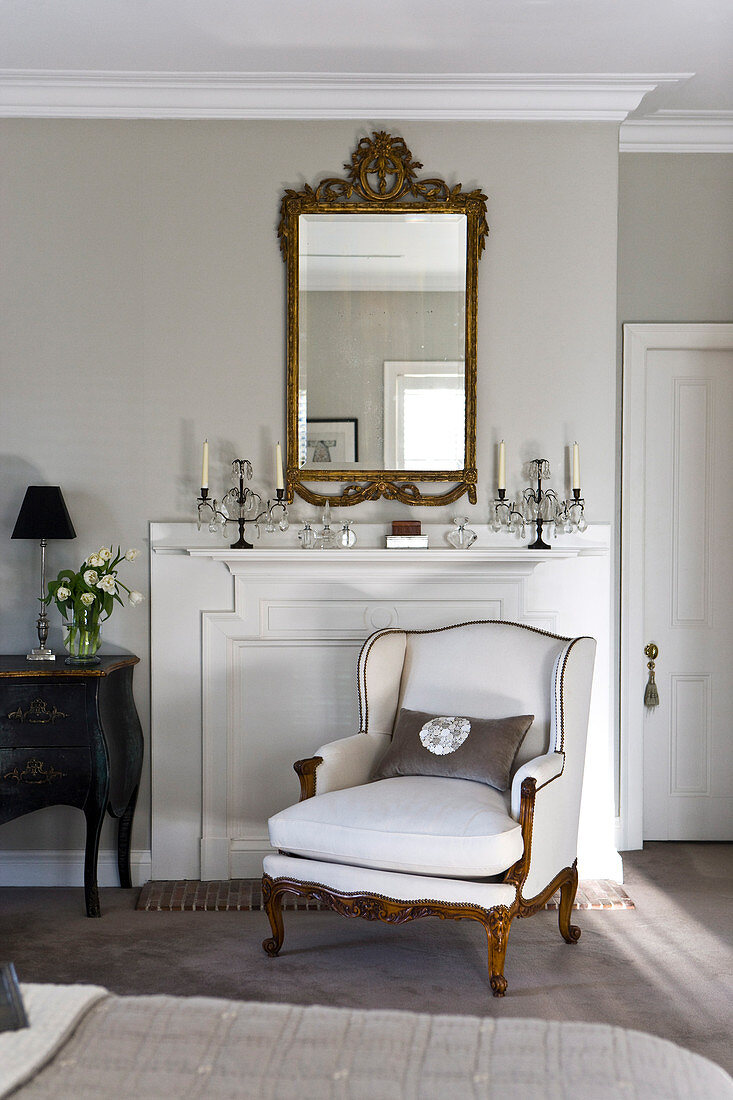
[{"x": 406, "y": 527}]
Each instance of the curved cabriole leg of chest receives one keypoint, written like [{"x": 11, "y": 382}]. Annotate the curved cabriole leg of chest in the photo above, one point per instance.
[
  {"x": 97, "y": 796},
  {"x": 123, "y": 842},
  {"x": 94, "y": 813},
  {"x": 496, "y": 921}
]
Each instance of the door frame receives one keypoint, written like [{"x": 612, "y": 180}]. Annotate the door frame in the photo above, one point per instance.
[{"x": 638, "y": 340}]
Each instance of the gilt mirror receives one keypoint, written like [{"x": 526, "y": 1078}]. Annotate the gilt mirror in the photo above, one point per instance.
[{"x": 382, "y": 272}]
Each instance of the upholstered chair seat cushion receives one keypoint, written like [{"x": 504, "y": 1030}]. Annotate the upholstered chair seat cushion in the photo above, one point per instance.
[{"x": 425, "y": 825}]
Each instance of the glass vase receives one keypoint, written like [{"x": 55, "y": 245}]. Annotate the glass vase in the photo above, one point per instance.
[{"x": 82, "y": 636}]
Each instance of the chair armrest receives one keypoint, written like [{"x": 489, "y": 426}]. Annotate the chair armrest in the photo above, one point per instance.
[
  {"x": 541, "y": 813},
  {"x": 339, "y": 764},
  {"x": 543, "y": 769}
]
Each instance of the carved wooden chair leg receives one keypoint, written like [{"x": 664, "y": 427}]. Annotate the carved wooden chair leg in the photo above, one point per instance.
[
  {"x": 271, "y": 898},
  {"x": 569, "y": 932},
  {"x": 497, "y": 925}
]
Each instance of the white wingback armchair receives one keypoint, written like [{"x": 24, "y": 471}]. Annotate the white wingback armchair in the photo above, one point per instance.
[{"x": 410, "y": 846}]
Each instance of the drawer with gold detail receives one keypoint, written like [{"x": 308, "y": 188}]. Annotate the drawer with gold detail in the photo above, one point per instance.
[
  {"x": 43, "y": 714},
  {"x": 32, "y": 778}
]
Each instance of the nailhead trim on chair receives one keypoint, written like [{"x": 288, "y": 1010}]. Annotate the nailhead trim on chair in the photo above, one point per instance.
[
  {"x": 370, "y": 641},
  {"x": 308, "y": 885}
]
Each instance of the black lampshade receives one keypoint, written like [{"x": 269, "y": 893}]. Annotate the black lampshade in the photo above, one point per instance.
[{"x": 43, "y": 515}]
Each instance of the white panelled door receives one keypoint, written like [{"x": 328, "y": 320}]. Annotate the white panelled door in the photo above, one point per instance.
[{"x": 680, "y": 432}]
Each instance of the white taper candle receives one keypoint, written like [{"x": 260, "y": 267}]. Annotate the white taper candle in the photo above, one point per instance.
[
  {"x": 279, "y": 483},
  {"x": 205, "y": 466}
]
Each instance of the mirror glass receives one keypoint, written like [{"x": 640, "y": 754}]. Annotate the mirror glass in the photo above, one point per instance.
[{"x": 381, "y": 341}]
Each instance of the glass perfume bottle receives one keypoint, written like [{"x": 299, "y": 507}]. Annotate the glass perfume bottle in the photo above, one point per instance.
[
  {"x": 347, "y": 537},
  {"x": 307, "y": 537},
  {"x": 327, "y": 538},
  {"x": 463, "y": 536}
]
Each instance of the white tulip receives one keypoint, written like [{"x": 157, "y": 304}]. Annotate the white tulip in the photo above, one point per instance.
[
  {"x": 135, "y": 598},
  {"x": 107, "y": 583},
  {"x": 131, "y": 554},
  {"x": 87, "y": 598},
  {"x": 91, "y": 577},
  {"x": 95, "y": 560},
  {"x": 63, "y": 593},
  {"x": 104, "y": 553}
]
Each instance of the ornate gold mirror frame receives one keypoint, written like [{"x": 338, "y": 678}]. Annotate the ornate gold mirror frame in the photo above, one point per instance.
[{"x": 381, "y": 177}]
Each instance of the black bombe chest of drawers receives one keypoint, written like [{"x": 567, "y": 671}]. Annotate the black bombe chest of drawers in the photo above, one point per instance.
[{"x": 70, "y": 735}]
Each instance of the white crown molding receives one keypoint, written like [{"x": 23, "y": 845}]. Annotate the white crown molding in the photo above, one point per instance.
[
  {"x": 553, "y": 97},
  {"x": 679, "y": 132}
]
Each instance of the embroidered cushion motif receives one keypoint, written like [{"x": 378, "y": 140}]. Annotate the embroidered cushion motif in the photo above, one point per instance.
[{"x": 443, "y": 735}]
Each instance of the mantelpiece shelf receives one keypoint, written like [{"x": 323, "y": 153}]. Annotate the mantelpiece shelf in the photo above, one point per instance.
[
  {"x": 513, "y": 557},
  {"x": 489, "y": 549}
]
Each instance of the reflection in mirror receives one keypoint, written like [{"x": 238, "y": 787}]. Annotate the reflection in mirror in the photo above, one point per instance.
[
  {"x": 382, "y": 294},
  {"x": 424, "y": 415},
  {"x": 382, "y": 302}
]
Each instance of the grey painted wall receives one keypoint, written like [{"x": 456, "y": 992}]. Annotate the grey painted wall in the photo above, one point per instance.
[
  {"x": 142, "y": 304},
  {"x": 675, "y": 237}
]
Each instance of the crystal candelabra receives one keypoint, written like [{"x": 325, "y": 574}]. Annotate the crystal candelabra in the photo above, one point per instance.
[
  {"x": 504, "y": 514},
  {"x": 245, "y": 503},
  {"x": 540, "y": 506}
]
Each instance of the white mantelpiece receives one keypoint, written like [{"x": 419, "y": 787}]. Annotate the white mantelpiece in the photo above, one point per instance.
[{"x": 254, "y": 658}]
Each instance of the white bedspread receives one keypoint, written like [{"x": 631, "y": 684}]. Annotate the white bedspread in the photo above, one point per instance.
[
  {"x": 150, "y": 1048},
  {"x": 53, "y": 1012}
]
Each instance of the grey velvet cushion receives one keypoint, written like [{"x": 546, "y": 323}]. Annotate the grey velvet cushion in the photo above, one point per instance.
[{"x": 455, "y": 747}]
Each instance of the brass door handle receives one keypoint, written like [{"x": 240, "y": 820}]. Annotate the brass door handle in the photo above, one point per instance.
[{"x": 651, "y": 692}]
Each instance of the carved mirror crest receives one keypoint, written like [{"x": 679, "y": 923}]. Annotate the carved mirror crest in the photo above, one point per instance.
[{"x": 382, "y": 272}]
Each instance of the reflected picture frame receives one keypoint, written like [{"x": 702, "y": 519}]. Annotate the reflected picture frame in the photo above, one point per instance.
[{"x": 330, "y": 443}]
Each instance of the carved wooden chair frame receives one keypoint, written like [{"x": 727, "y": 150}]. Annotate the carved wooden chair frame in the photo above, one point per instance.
[{"x": 496, "y": 921}]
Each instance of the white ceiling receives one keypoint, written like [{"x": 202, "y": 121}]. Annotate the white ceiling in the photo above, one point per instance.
[{"x": 418, "y": 37}]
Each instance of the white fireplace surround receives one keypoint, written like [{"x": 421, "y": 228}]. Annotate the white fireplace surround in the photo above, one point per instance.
[{"x": 254, "y": 665}]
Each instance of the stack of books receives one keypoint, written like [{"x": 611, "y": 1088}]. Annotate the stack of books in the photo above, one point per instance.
[{"x": 407, "y": 535}]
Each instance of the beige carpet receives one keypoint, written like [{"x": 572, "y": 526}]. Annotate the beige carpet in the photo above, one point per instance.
[
  {"x": 663, "y": 967},
  {"x": 244, "y": 894}
]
